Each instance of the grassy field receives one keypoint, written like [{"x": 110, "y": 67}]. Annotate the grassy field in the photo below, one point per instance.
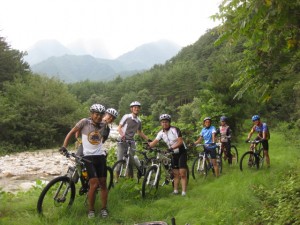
[{"x": 266, "y": 196}]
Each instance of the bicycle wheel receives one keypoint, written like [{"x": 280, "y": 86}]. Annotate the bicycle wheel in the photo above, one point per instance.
[
  {"x": 119, "y": 170},
  {"x": 220, "y": 163},
  {"x": 199, "y": 168},
  {"x": 234, "y": 154},
  {"x": 58, "y": 195},
  {"x": 150, "y": 183},
  {"x": 110, "y": 178},
  {"x": 249, "y": 161},
  {"x": 261, "y": 158}
]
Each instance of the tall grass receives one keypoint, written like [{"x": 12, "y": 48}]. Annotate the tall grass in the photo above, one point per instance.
[{"x": 234, "y": 198}]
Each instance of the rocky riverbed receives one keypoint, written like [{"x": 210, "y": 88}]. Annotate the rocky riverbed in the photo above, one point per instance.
[{"x": 19, "y": 172}]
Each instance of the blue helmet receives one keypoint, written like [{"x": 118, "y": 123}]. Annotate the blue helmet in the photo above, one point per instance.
[
  {"x": 255, "y": 117},
  {"x": 223, "y": 118}
]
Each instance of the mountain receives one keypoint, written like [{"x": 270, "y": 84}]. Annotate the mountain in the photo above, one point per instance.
[
  {"x": 44, "y": 49},
  {"x": 74, "y": 68}
]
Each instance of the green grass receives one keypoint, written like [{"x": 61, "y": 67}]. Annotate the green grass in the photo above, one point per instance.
[{"x": 234, "y": 198}]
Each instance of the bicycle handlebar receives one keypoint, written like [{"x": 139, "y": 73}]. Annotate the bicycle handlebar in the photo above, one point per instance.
[
  {"x": 68, "y": 155},
  {"x": 253, "y": 142}
]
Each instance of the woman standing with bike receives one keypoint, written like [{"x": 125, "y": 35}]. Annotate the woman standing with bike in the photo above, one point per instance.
[
  {"x": 173, "y": 138},
  {"x": 92, "y": 134},
  {"x": 225, "y": 138},
  {"x": 208, "y": 134},
  {"x": 263, "y": 135}
]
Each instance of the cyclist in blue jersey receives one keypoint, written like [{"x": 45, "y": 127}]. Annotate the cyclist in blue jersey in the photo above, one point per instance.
[
  {"x": 208, "y": 134},
  {"x": 263, "y": 134}
]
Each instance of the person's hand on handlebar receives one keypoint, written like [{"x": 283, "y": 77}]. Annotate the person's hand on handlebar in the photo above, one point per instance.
[{"x": 63, "y": 150}]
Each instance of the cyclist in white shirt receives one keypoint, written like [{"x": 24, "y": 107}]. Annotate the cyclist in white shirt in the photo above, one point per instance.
[{"x": 173, "y": 138}]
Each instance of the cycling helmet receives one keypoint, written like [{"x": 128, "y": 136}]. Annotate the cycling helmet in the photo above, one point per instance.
[
  {"x": 135, "y": 103},
  {"x": 112, "y": 112},
  {"x": 165, "y": 117},
  {"x": 223, "y": 118},
  {"x": 206, "y": 118},
  {"x": 255, "y": 117},
  {"x": 97, "y": 108}
]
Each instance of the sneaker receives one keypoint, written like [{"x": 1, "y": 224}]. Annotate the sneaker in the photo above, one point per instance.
[
  {"x": 104, "y": 213},
  {"x": 91, "y": 214},
  {"x": 183, "y": 193},
  {"x": 175, "y": 192}
]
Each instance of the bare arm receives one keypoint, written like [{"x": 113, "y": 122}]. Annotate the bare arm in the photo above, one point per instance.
[
  {"x": 198, "y": 141},
  {"x": 153, "y": 143},
  {"x": 69, "y": 135},
  {"x": 141, "y": 133}
]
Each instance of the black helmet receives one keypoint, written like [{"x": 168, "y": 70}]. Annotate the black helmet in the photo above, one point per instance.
[{"x": 223, "y": 118}]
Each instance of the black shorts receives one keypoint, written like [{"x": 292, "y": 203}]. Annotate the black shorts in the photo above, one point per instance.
[
  {"x": 98, "y": 167},
  {"x": 265, "y": 144},
  {"x": 212, "y": 152},
  {"x": 179, "y": 161}
]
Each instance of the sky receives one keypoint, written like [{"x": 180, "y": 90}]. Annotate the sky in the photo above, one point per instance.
[{"x": 119, "y": 25}]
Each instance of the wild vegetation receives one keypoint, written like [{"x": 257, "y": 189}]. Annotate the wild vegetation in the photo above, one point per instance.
[
  {"x": 249, "y": 65},
  {"x": 265, "y": 196}
]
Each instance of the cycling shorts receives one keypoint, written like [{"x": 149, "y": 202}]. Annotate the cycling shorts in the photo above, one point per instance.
[
  {"x": 179, "y": 161},
  {"x": 212, "y": 152},
  {"x": 98, "y": 167}
]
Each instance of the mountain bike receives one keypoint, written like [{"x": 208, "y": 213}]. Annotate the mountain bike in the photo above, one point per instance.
[
  {"x": 202, "y": 164},
  {"x": 254, "y": 158},
  {"x": 154, "y": 173},
  {"x": 233, "y": 153},
  {"x": 59, "y": 193},
  {"x": 124, "y": 168}
]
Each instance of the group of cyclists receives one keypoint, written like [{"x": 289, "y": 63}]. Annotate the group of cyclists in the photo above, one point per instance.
[{"x": 94, "y": 131}]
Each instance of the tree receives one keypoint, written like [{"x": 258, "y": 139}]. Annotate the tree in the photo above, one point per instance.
[{"x": 270, "y": 31}]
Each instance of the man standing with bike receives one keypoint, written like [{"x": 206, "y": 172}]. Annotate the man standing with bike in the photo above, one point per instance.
[
  {"x": 208, "y": 134},
  {"x": 173, "y": 138},
  {"x": 129, "y": 125},
  {"x": 263, "y": 135},
  {"x": 93, "y": 133}
]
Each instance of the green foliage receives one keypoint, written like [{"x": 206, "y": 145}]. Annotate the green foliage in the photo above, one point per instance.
[
  {"x": 266, "y": 196},
  {"x": 34, "y": 115},
  {"x": 280, "y": 205}
]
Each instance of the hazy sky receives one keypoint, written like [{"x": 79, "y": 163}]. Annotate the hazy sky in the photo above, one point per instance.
[{"x": 119, "y": 25}]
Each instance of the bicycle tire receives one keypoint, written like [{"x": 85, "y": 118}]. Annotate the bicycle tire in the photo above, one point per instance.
[
  {"x": 110, "y": 178},
  {"x": 119, "y": 170},
  {"x": 249, "y": 161},
  {"x": 234, "y": 154},
  {"x": 58, "y": 195},
  {"x": 197, "y": 172},
  {"x": 261, "y": 158},
  {"x": 149, "y": 186}
]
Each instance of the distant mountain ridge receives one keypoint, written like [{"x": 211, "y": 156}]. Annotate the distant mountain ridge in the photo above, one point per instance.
[{"x": 59, "y": 61}]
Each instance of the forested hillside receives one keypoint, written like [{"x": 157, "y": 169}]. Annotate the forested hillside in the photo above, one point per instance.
[{"x": 234, "y": 70}]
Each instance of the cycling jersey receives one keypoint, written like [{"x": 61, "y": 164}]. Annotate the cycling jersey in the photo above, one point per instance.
[
  {"x": 130, "y": 125},
  {"x": 262, "y": 128},
  {"x": 170, "y": 137},
  {"x": 206, "y": 134},
  {"x": 225, "y": 133},
  {"x": 91, "y": 137}
]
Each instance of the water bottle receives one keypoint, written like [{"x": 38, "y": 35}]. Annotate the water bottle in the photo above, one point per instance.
[
  {"x": 137, "y": 161},
  {"x": 84, "y": 173}
]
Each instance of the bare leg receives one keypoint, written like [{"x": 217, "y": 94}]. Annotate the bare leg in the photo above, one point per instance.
[
  {"x": 104, "y": 192},
  {"x": 266, "y": 153},
  {"x": 94, "y": 184},
  {"x": 183, "y": 179},
  {"x": 216, "y": 167},
  {"x": 176, "y": 179}
]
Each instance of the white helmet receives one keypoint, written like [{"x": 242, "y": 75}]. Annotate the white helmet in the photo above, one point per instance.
[
  {"x": 112, "y": 112},
  {"x": 97, "y": 108},
  {"x": 135, "y": 103},
  {"x": 165, "y": 117}
]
